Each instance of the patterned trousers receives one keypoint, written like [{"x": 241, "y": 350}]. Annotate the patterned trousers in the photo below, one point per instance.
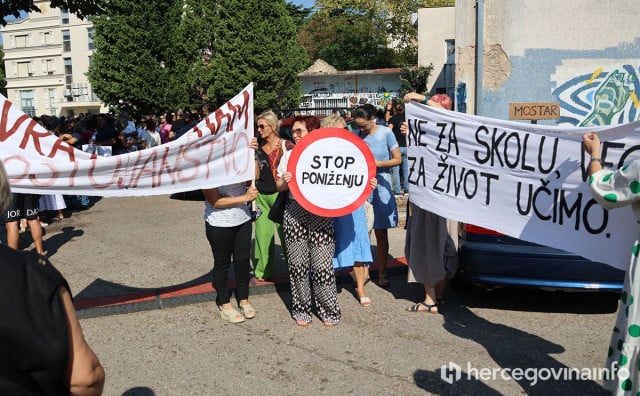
[{"x": 310, "y": 246}]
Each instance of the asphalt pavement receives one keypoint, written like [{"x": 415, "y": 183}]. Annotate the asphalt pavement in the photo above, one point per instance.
[{"x": 140, "y": 271}]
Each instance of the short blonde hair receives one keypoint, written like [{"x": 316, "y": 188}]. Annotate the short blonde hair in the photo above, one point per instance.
[
  {"x": 333, "y": 121},
  {"x": 5, "y": 189},
  {"x": 272, "y": 119}
]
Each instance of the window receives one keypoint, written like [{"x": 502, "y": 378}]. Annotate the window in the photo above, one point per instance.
[
  {"x": 21, "y": 41},
  {"x": 66, "y": 40},
  {"x": 64, "y": 15},
  {"x": 27, "y": 102},
  {"x": 51, "y": 67},
  {"x": 51, "y": 94},
  {"x": 68, "y": 78},
  {"x": 25, "y": 69},
  {"x": 90, "y": 34},
  {"x": 451, "y": 51},
  {"x": 47, "y": 38}
]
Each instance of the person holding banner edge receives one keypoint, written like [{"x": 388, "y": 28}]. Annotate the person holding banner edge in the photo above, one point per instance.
[
  {"x": 431, "y": 242},
  {"x": 386, "y": 152},
  {"x": 614, "y": 189},
  {"x": 228, "y": 229},
  {"x": 310, "y": 247}
]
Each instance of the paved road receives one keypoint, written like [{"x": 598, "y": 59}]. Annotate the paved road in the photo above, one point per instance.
[{"x": 132, "y": 248}]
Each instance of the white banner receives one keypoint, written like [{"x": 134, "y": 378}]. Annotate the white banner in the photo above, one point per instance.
[
  {"x": 215, "y": 152},
  {"x": 524, "y": 180}
]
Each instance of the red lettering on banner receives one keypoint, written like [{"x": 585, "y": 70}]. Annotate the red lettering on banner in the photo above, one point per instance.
[
  {"x": 236, "y": 139},
  {"x": 63, "y": 146},
  {"x": 220, "y": 115},
  {"x": 182, "y": 154},
  {"x": 31, "y": 132},
  {"x": 213, "y": 128},
  {"x": 4, "y": 132},
  {"x": 128, "y": 170},
  {"x": 240, "y": 112},
  {"x": 26, "y": 163},
  {"x": 48, "y": 183},
  {"x": 114, "y": 177},
  {"x": 74, "y": 172},
  {"x": 164, "y": 165},
  {"x": 153, "y": 158}
]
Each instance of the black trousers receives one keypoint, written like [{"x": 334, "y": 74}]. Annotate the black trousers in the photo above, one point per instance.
[{"x": 227, "y": 243}]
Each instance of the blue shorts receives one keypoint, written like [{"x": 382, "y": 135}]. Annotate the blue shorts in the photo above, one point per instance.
[{"x": 22, "y": 205}]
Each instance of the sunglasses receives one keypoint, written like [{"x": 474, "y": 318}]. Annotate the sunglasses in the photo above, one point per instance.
[{"x": 262, "y": 126}]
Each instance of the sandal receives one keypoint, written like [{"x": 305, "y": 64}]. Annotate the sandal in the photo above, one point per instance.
[
  {"x": 428, "y": 308},
  {"x": 439, "y": 300},
  {"x": 247, "y": 311},
  {"x": 365, "y": 301},
  {"x": 302, "y": 323},
  {"x": 329, "y": 324},
  {"x": 383, "y": 281},
  {"x": 231, "y": 315}
]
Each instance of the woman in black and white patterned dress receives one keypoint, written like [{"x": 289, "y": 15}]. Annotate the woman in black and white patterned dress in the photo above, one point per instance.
[{"x": 310, "y": 246}]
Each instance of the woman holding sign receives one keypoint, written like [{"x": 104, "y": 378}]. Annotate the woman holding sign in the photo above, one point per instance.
[
  {"x": 431, "y": 243},
  {"x": 310, "y": 247},
  {"x": 613, "y": 189},
  {"x": 386, "y": 151}
]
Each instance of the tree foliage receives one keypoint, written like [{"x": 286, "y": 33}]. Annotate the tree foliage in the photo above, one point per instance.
[
  {"x": 415, "y": 79},
  {"x": 137, "y": 59},
  {"x": 347, "y": 41},
  {"x": 82, "y": 8},
  {"x": 392, "y": 24},
  {"x": 243, "y": 41}
]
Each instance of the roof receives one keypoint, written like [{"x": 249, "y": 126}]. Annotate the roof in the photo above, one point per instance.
[{"x": 321, "y": 67}]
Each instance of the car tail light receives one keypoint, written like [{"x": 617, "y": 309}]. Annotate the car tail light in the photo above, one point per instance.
[{"x": 472, "y": 229}]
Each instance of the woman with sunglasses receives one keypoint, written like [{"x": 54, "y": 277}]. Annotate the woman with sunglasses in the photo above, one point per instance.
[
  {"x": 268, "y": 156},
  {"x": 386, "y": 152}
]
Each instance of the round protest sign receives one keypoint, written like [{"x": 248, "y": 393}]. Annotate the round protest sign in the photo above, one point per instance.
[{"x": 331, "y": 169}]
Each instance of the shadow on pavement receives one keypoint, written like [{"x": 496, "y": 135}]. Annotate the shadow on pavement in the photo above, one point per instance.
[{"x": 519, "y": 356}]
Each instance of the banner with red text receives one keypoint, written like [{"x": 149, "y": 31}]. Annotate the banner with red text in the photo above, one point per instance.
[
  {"x": 215, "y": 152},
  {"x": 524, "y": 180}
]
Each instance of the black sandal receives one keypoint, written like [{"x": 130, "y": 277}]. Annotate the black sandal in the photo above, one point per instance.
[{"x": 433, "y": 309}]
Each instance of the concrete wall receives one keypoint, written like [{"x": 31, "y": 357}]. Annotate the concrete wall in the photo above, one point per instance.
[
  {"x": 584, "y": 54},
  {"x": 435, "y": 26}
]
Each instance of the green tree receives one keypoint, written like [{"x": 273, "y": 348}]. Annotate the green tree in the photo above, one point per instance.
[
  {"x": 137, "y": 58},
  {"x": 82, "y": 8},
  {"x": 347, "y": 41},
  {"x": 415, "y": 79},
  {"x": 298, "y": 13},
  {"x": 243, "y": 41},
  {"x": 393, "y": 21}
]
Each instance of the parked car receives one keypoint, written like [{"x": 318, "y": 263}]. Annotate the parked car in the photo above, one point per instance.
[{"x": 491, "y": 259}]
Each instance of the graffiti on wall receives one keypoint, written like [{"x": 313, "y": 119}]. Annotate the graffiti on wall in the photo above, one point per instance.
[{"x": 602, "y": 97}]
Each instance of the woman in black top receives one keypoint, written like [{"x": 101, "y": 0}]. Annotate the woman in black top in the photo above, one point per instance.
[{"x": 42, "y": 348}]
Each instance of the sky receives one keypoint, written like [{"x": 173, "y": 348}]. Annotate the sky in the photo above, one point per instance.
[{"x": 306, "y": 3}]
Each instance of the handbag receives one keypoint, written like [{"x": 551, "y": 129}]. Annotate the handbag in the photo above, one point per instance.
[{"x": 276, "y": 213}]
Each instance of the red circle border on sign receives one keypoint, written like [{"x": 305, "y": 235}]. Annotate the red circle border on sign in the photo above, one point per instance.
[{"x": 313, "y": 137}]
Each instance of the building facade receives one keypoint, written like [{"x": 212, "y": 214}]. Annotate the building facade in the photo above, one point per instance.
[
  {"x": 325, "y": 88},
  {"x": 46, "y": 57},
  {"x": 582, "y": 54},
  {"x": 436, "y": 38}
]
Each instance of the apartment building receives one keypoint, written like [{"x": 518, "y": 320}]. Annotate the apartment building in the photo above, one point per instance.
[{"x": 46, "y": 57}]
